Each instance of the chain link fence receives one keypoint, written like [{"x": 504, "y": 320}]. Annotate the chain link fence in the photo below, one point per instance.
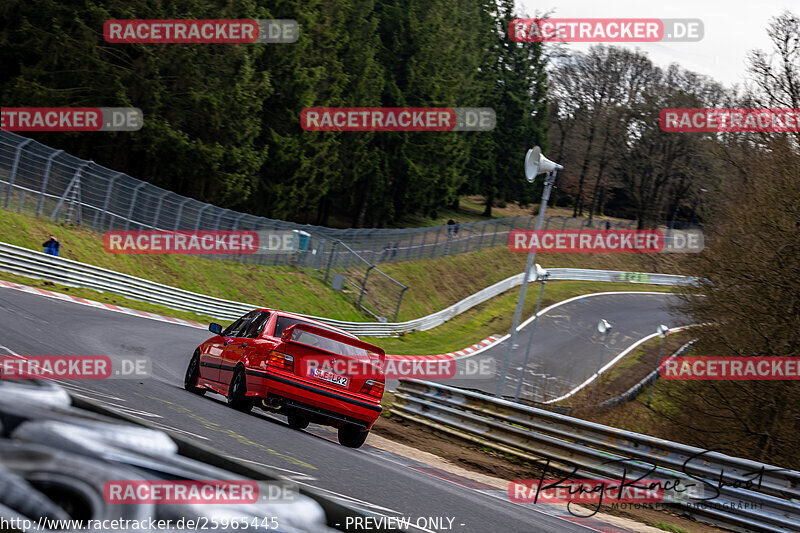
[{"x": 42, "y": 181}]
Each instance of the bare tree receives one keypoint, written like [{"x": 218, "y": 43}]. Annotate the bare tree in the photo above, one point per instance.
[{"x": 750, "y": 280}]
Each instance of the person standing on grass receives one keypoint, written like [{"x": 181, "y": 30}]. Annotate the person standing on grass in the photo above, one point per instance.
[{"x": 52, "y": 246}]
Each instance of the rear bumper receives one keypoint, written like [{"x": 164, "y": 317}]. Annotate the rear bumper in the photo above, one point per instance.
[{"x": 309, "y": 396}]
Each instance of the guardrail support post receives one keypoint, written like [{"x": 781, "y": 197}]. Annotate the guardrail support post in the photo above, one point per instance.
[
  {"x": 14, "y": 169},
  {"x": 46, "y": 178}
]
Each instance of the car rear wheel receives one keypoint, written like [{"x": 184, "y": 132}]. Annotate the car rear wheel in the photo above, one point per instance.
[
  {"x": 237, "y": 392},
  {"x": 192, "y": 375},
  {"x": 352, "y": 436},
  {"x": 297, "y": 421}
]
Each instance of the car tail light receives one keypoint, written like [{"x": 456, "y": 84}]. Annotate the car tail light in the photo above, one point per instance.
[
  {"x": 373, "y": 388},
  {"x": 281, "y": 360}
]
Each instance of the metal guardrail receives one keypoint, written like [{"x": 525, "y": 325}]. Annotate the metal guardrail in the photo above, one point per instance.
[
  {"x": 649, "y": 380},
  {"x": 773, "y": 505},
  {"x": 26, "y": 262}
]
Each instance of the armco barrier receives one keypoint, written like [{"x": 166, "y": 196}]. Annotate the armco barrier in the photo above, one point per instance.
[
  {"x": 771, "y": 505},
  {"x": 649, "y": 379},
  {"x": 26, "y": 262}
]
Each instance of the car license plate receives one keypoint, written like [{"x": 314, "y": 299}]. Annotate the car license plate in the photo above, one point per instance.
[{"x": 330, "y": 377}]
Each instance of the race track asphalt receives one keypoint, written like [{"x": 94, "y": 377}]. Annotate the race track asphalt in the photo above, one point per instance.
[
  {"x": 369, "y": 478},
  {"x": 566, "y": 345}
]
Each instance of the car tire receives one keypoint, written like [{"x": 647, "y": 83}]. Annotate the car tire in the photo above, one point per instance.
[
  {"x": 18, "y": 496},
  {"x": 352, "y": 436},
  {"x": 192, "y": 375},
  {"x": 71, "y": 482},
  {"x": 297, "y": 421},
  {"x": 237, "y": 392}
]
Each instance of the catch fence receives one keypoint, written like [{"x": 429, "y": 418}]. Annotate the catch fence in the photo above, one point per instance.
[{"x": 38, "y": 180}]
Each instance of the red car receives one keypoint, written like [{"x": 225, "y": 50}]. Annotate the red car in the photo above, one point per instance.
[{"x": 295, "y": 366}]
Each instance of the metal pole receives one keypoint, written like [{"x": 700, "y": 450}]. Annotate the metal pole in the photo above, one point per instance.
[
  {"x": 528, "y": 348},
  {"x": 133, "y": 204},
  {"x": 410, "y": 246},
  {"x": 548, "y": 186},
  {"x": 219, "y": 219},
  {"x": 602, "y": 358},
  {"x": 364, "y": 285},
  {"x": 104, "y": 210},
  {"x": 75, "y": 178},
  {"x": 330, "y": 260},
  {"x": 180, "y": 212},
  {"x": 235, "y": 225},
  {"x": 158, "y": 209},
  {"x": 14, "y": 168},
  {"x": 399, "y": 301},
  {"x": 46, "y": 179},
  {"x": 200, "y": 216},
  {"x": 655, "y": 378}
]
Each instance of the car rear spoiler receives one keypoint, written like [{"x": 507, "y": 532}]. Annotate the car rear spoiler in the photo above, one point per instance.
[{"x": 286, "y": 336}]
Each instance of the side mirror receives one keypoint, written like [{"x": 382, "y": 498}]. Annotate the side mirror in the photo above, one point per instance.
[{"x": 215, "y": 328}]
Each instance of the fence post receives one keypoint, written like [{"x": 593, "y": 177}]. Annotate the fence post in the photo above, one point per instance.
[
  {"x": 75, "y": 178},
  {"x": 494, "y": 234},
  {"x": 236, "y": 221},
  {"x": 399, "y": 301},
  {"x": 410, "y": 246},
  {"x": 422, "y": 246},
  {"x": 180, "y": 212},
  {"x": 133, "y": 204},
  {"x": 76, "y": 197},
  {"x": 219, "y": 219},
  {"x": 364, "y": 285},
  {"x": 330, "y": 260},
  {"x": 14, "y": 168},
  {"x": 158, "y": 209},
  {"x": 107, "y": 201},
  {"x": 318, "y": 256},
  {"x": 200, "y": 216},
  {"x": 45, "y": 180}
]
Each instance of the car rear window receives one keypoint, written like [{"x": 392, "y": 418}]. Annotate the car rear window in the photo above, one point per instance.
[{"x": 317, "y": 341}]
